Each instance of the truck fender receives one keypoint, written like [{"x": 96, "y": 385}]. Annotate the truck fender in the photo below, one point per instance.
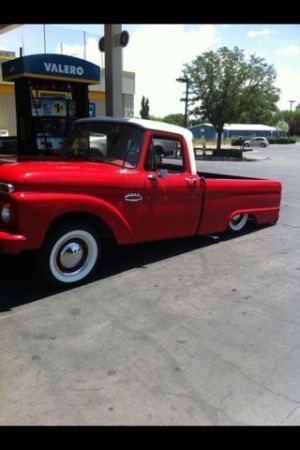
[
  {"x": 37, "y": 211},
  {"x": 259, "y": 215}
]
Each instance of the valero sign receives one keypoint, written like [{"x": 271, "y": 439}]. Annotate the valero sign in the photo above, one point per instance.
[{"x": 52, "y": 66}]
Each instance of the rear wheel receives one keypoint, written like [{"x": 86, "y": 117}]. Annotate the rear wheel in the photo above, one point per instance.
[
  {"x": 238, "y": 222},
  {"x": 70, "y": 254}
]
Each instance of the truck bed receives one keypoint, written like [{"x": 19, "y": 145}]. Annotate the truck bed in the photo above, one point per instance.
[{"x": 225, "y": 176}]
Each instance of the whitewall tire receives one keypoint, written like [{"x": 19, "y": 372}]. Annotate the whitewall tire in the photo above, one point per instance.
[
  {"x": 238, "y": 222},
  {"x": 70, "y": 254}
]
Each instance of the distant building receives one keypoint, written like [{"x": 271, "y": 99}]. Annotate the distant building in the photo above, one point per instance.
[{"x": 207, "y": 131}]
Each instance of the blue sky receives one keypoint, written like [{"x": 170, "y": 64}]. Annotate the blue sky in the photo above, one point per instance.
[{"x": 157, "y": 52}]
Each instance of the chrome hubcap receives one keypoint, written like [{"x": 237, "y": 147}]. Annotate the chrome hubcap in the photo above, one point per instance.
[
  {"x": 71, "y": 254},
  {"x": 74, "y": 256}
]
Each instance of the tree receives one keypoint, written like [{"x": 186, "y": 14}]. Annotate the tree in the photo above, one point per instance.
[
  {"x": 175, "y": 119},
  {"x": 282, "y": 125},
  {"x": 231, "y": 88},
  {"x": 157, "y": 119},
  {"x": 144, "y": 112},
  {"x": 292, "y": 118},
  {"x": 295, "y": 124},
  {"x": 285, "y": 115}
]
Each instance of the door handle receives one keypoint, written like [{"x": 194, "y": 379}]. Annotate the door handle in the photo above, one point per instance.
[{"x": 191, "y": 180}]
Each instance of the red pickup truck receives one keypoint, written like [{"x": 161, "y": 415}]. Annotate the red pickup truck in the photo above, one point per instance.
[{"x": 112, "y": 180}]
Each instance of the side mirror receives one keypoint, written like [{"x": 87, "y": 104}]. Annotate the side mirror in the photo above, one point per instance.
[{"x": 162, "y": 173}]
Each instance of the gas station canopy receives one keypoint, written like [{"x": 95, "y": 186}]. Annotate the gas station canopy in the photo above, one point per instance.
[
  {"x": 7, "y": 27},
  {"x": 51, "y": 66}
]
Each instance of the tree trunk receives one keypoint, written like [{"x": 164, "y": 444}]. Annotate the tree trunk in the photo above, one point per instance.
[{"x": 219, "y": 139}]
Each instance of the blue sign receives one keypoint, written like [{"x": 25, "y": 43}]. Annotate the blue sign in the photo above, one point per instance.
[
  {"x": 92, "y": 109},
  {"x": 51, "y": 66}
]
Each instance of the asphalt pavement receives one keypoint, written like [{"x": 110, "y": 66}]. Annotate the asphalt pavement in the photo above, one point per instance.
[{"x": 198, "y": 331}]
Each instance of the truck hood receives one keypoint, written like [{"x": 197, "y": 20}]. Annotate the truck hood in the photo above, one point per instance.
[{"x": 60, "y": 173}]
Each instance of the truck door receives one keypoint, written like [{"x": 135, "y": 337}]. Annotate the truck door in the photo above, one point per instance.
[{"x": 173, "y": 194}]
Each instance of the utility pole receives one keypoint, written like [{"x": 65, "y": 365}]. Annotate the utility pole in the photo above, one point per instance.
[
  {"x": 113, "y": 70},
  {"x": 291, "y": 104},
  {"x": 186, "y": 99},
  {"x": 112, "y": 43}
]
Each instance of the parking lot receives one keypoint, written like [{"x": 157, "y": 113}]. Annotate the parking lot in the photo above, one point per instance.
[{"x": 197, "y": 331}]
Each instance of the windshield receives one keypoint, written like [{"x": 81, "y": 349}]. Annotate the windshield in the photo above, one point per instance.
[{"x": 114, "y": 143}]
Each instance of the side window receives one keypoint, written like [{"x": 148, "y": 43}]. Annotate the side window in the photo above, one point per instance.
[{"x": 165, "y": 154}]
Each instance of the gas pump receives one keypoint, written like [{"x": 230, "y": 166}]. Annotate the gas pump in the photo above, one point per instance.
[{"x": 51, "y": 92}]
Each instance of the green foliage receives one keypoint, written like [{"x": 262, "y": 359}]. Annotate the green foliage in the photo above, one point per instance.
[
  {"x": 295, "y": 124},
  {"x": 285, "y": 115},
  {"x": 175, "y": 119},
  {"x": 282, "y": 125},
  {"x": 281, "y": 140},
  {"x": 231, "y": 88},
  {"x": 144, "y": 112},
  {"x": 157, "y": 119},
  {"x": 292, "y": 118}
]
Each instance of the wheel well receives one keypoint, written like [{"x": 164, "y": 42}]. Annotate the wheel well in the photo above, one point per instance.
[
  {"x": 252, "y": 218},
  {"x": 88, "y": 218}
]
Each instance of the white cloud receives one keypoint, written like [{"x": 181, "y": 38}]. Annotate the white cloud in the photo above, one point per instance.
[
  {"x": 156, "y": 53},
  {"x": 290, "y": 50},
  {"x": 288, "y": 81},
  {"x": 264, "y": 32},
  {"x": 77, "y": 50}
]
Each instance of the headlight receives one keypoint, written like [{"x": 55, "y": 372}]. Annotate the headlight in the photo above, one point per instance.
[{"x": 6, "y": 213}]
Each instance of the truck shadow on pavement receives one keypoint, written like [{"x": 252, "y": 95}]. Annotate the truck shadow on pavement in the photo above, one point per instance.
[{"x": 19, "y": 284}]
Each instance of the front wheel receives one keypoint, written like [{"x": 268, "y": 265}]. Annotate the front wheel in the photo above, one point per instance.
[
  {"x": 238, "y": 222},
  {"x": 70, "y": 254}
]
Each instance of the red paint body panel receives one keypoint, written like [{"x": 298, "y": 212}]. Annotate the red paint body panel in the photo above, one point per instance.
[
  {"x": 224, "y": 198},
  {"x": 11, "y": 243},
  {"x": 135, "y": 207},
  {"x": 172, "y": 207}
]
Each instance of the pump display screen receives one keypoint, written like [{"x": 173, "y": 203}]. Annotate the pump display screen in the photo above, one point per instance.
[
  {"x": 50, "y": 107},
  {"x": 51, "y": 115}
]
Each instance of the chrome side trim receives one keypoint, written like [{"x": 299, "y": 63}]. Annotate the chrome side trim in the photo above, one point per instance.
[{"x": 133, "y": 197}]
